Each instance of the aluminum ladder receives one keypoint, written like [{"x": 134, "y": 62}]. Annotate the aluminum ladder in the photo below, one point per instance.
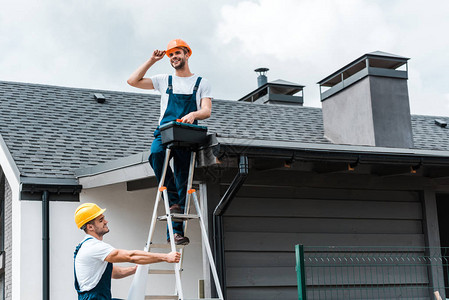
[{"x": 139, "y": 291}]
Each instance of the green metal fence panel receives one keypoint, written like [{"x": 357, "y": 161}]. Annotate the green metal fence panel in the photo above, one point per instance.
[
  {"x": 372, "y": 272},
  {"x": 300, "y": 272}
]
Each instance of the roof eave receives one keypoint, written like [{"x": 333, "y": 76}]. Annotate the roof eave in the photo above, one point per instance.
[
  {"x": 109, "y": 166},
  {"x": 61, "y": 189},
  {"x": 125, "y": 169}
]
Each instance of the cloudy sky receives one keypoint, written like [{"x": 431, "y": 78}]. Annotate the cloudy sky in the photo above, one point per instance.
[{"x": 99, "y": 43}]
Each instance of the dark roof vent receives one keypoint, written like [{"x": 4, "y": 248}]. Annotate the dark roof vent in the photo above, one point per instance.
[
  {"x": 441, "y": 123},
  {"x": 99, "y": 97},
  {"x": 275, "y": 92}
]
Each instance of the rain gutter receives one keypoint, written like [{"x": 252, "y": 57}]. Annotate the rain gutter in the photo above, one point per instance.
[
  {"x": 329, "y": 152},
  {"x": 41, "y": 189}
]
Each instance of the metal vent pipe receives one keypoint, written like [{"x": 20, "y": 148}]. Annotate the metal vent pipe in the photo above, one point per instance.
[{"x": 262, "y": 78}]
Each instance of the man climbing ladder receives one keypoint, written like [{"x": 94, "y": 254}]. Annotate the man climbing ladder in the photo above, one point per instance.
[
  {"x": 184, "y": 96},
  {"x": 94, "y": 259}
]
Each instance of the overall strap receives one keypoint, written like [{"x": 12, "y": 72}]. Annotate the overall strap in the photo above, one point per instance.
[
  {"x": 74, "y": 257},
  {"x": 79, "y": 246},
  {"x": 197, "y": 84},
  {"x": 170, "y": 85}
]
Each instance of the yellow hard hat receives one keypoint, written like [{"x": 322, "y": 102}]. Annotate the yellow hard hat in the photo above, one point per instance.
[
  {"x": 177, "y": 44},
  {"x": 87, "y": 212}
]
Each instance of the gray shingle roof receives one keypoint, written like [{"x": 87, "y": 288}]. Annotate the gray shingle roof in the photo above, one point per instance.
[{"x": 51, "y": 131}]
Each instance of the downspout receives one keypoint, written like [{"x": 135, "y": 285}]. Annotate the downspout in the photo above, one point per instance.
[
  {"x": 66, "y": 189},
  {"x": 224, "y": 203},
  {"x": 45, "y": 245}
]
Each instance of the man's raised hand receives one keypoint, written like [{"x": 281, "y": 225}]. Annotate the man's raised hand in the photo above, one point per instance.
[{"x": 158, "y": 55}]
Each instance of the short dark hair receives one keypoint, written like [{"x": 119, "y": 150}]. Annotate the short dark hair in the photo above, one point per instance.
[{"x": 85, "y": 224}]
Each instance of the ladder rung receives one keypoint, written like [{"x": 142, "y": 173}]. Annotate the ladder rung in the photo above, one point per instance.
[
  {"x": 160, "y": 271},
  {"x": 166, "y": 246},
  {"x": 174, "y": 297},
  {"x": 178, "y": 217}
]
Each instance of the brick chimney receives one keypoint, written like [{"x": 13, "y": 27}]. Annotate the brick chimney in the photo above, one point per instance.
[{"x": 366, "y": 102}]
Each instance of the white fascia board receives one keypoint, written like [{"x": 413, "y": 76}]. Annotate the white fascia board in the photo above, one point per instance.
[
  {"x": 128, "y": 173},
  {"x": 8, "y": 165},
  {"x": 12, "y": 175}
]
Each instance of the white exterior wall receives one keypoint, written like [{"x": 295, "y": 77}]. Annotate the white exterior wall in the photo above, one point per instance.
[
  {"x": 129, "y": 216},
  {"x": 63, "y": 235}
]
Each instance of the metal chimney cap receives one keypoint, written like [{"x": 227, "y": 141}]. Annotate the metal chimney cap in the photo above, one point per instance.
[{"x": 261, "y": 70}]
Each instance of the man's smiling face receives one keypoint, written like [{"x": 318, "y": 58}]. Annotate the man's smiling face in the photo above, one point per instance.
[{"x": 178, "y": 58}]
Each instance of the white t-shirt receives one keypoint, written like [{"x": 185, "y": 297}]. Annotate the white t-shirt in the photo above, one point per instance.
[
  {"x": 181, "y": 85},
  {"x": 90, "y": 264}
]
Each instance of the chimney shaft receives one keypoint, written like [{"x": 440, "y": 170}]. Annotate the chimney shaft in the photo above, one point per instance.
[
  {"x": 261, "y": 80},
  {"x": 367, "y": 103}
]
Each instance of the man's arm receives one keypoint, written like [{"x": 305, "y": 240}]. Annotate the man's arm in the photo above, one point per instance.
[
  {"x": 203, "y": 113},
  {"x": 122, "y": 272},
  {"x": 136, "y": 79},
  {"x": 141, "y": 257}
]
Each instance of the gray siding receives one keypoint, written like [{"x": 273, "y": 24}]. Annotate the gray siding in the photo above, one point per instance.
[{"x": 264, "y": 223}]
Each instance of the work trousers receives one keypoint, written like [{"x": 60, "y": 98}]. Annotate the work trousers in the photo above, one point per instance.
[{"x": 176, "y": 180}]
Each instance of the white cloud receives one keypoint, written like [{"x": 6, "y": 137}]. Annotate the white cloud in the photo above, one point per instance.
[
  {"x": 97, "y": 44},
  {"x": 94, "y": 44},
  {"x": 304, "y": 41},
  {"x": 303, "y": 30},
  {"x": 307, "y": 40}
]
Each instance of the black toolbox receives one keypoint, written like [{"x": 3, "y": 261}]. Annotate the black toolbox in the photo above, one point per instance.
[{"x": 183, "y": 134}]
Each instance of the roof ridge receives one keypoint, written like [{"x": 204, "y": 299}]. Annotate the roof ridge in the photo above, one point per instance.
[
  {"x": 266, "y": 105},
  {"x": 73, "y": 88},
  {"x": 431, "y": 116},
  {"x": 142, "y": 93}
]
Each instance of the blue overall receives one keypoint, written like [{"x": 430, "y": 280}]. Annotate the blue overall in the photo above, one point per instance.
[
  {"x": 178, "y": 106},
  {"x": 102, "y": 291}
]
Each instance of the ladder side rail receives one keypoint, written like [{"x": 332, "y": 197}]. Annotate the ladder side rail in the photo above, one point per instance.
[
  {"x": 158, "y": 199},
  {"x": 137, "y": 290},
  {"x": 189, "y": 183},
  {"x": 188, "y": 197},
  {"x": 207, "y": 245},
  {"x": 207, "y": 275},
  {"x": 172, "y": 242}
]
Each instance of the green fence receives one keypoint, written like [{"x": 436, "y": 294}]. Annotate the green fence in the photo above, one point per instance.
[{"x": 372, "y": 272}]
